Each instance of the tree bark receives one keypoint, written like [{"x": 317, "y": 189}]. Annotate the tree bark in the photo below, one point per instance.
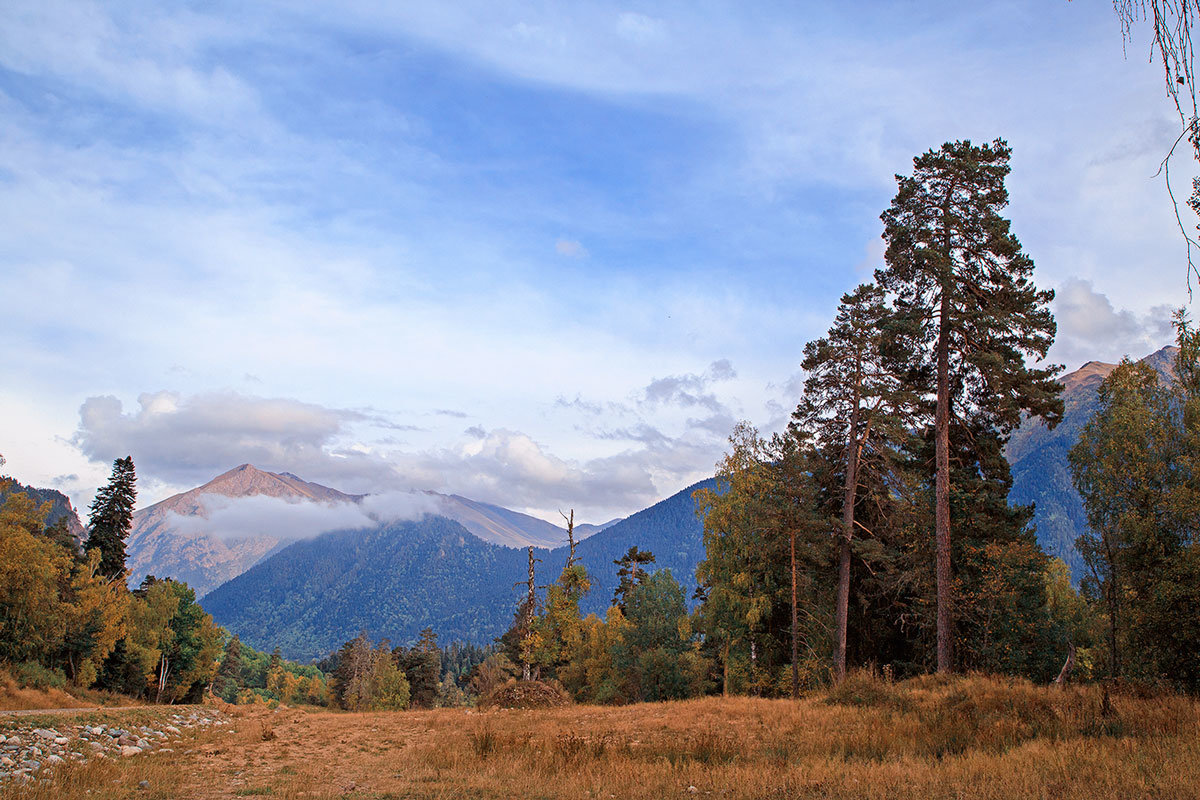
[
  {"x": 795, "y": 626},
  {"x": 1063, "y": 675},
  {"x": 945, "y": 621},
  {"x": 850, "y": 491}
]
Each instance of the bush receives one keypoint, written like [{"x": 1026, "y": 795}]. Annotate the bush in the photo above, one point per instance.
[
  {"x": 865, "y": 688},
  {"x": 525, "y": 694},
  {"x": 32, "y": 675}
]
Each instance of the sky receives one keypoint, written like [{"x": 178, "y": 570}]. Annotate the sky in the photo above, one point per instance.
[{"x": 542, "y": 255}]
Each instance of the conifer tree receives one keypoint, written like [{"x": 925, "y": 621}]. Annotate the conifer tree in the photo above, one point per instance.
[
  {"x": 112, "y": 517},
  {"x": 858, "y": 411},
  {"x": 229, "y": 675},
  {"x": 959, "y": 275},
  {"x": 631, "y": 570}
]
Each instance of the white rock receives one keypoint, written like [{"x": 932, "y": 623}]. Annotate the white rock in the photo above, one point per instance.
[{"x": 128, "y": 750}]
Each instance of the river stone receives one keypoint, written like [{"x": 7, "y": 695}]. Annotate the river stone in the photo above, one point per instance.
[{"x": 127, "y": 750}]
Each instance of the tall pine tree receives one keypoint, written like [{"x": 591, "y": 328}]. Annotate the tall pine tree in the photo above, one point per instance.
[
  {"x": 858, "y": 410},
  {"x": 112, "y": 517},
  {"x": 959, "y": 274}
]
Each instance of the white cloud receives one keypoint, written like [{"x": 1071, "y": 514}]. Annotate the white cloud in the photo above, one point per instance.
[
  {"x": 187, "y": 440},
  {"x": 570, "y": 248},
  {"x": 639, "y": 28},
  {"x": 510, "y": 468},
  {"x": 1090, "y": 328},
  {"x": 258, "y": 515}
]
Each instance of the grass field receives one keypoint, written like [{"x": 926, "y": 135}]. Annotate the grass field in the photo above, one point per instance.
[{"x": 925, "y": 739}]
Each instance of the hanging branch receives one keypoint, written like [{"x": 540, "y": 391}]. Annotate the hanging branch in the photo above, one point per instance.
[{"x": 1172, "y": 22}]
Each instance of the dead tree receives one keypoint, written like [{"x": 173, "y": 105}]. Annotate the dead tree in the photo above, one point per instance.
[
  {"x": 570, "y": 536},
  {"x": 527, "y": 620},
  {"x": 1065, "y": 674}
]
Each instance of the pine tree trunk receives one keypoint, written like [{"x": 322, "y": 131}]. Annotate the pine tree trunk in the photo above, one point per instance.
[
  {"x": 850, "y": 490},
  {"x": 945, "y": 623},
  {"x": 725, "y": 661},
  {"x": 795, "y": 626}
]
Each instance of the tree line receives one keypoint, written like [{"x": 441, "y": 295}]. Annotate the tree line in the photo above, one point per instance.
[{"x": 68, "y": 617}]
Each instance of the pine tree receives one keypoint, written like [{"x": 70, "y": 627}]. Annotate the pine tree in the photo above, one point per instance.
[
  {"x": 858, "y": 411},
  {"x": 631, "y": 571},
  {"x": 229, "y": 676},
  {"x": 959, "y": 275},
  {"x": 422, "y": 666},
  {"x": 112, "y": 517}
]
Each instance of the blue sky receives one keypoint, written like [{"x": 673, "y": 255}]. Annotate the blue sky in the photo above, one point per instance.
[{"x": 538, "y": 254}]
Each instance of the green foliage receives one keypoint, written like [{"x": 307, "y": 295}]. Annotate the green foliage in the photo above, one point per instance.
[
  {"x": 1137, "y": 467},
  {"x": 631, "y": 569},
  {"x": 963, "y": 288},
  {"x": 763, "y": 499},
  {"x": 559, "y": 627},
  {"x": 422, "y": 666},
  {"x": 228, "y": 683},
  {"x": 112, "y": 516},
  {"x": 656, "y": 654},
  {"x": 32, "y": 675},
  {"x": 367, "y": 678}
]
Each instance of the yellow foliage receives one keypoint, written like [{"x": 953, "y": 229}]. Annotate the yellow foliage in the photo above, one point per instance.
[{"x": 33, "y": 573}]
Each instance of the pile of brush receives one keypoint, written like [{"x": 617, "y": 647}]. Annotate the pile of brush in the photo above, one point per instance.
[{"x": 525, "y": 694}]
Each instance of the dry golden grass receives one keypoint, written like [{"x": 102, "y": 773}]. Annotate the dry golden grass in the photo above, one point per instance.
[
  {"x": 14, "y": 698},
  {"x": 926, "y": 739}
]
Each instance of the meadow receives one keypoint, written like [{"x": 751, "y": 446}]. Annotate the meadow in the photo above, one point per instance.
[{"x": 928, "y": 738}]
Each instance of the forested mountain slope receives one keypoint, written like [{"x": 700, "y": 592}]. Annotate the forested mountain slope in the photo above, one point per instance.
[{"x": 396, "y": 579}]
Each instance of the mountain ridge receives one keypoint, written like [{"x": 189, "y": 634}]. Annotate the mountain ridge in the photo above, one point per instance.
[{"x": 171, "y": 539}]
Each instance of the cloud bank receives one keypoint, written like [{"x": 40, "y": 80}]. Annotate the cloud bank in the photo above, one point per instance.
[
  {"x": 292, "y": 519},
  {"x": 1090, "y": 328}
]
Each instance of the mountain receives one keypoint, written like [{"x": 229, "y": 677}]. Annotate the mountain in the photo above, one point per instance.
[
  {"x": 160, "y": 545},
  {"x": 175, "y": 538},
  {"x": 1038, "y": 457},
  {"x": 60, "y": 506},
  {"x": 500, "y": 525},
  {"x": 398, "y": 578},
  {"x": 584, "y": 530}
]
